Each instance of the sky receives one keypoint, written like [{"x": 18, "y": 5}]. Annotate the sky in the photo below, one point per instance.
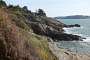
[{"x": 55, "y": 8}]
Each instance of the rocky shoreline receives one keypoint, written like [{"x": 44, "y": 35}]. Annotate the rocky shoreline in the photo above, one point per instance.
[
  {"x": 65, "y": 54},
  {"x": 54, "y": 29}
]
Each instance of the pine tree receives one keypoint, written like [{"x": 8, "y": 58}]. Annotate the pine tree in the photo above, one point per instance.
[{"x": 41, "y": 12}]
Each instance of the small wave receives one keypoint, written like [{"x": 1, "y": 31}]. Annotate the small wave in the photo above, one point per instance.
[
  {"x": 85, "y": 36},
  {"x": 80, "y": 35},
  {"x": 69, "y": 31},
  {"x": 66, "y": 30},
  {"x": 87, "y": 39}
]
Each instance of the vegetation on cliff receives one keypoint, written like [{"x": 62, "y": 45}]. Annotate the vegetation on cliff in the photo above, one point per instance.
[
  {"x": 17, "y": 39},
  {"x": 24, "y": 34}
]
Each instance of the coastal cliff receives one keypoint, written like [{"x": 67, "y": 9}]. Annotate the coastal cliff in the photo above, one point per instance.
[
  {"x": 24, "y": 35},
  {"x": 17, "y": 39}
]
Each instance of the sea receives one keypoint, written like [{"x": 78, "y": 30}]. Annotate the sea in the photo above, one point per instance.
[{"x": 83, "y": 31}]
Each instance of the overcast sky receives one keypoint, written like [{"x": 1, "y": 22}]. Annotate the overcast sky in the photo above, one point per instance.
[{"x": 56, "y": 7}]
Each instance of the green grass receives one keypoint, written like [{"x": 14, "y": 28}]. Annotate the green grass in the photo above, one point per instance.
[
  {"x": 40, "y": 43},
  {"x": 21, "y": 29}
]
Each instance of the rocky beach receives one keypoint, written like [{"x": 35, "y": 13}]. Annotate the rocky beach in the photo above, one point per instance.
[{"x": 65, "y": 54}]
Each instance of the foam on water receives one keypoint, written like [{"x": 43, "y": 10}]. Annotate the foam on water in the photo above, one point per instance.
[
  {"x": 87, "y": 39},
  {"x": 69, "y": 31}
]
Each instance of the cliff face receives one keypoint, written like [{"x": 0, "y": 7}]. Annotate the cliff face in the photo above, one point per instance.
[{"x": 17, "y": 39}]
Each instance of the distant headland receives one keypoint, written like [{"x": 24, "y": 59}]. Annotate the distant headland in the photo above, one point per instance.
[{"x": 73, "y": 17}]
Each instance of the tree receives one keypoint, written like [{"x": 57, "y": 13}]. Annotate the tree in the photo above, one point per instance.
[
  {"x": 10, "y": 6},
  {"x": 25, "y": 8},
  {"x": 41, "y": 12},
  {"x": 2, "y": 3}
]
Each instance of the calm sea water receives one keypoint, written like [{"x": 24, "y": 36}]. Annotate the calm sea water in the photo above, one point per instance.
[{"x": 84, "y": 31}]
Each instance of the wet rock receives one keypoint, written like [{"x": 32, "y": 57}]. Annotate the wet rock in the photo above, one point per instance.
[{"x": 69, "y": 26}]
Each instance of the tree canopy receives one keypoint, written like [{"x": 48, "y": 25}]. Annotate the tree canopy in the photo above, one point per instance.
[{"x": 41, "y": 12}]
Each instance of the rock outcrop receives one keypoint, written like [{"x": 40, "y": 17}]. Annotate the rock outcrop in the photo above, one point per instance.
[
  {"x": 69, "y": 26},
  {"x": 54, "y": 31}
]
